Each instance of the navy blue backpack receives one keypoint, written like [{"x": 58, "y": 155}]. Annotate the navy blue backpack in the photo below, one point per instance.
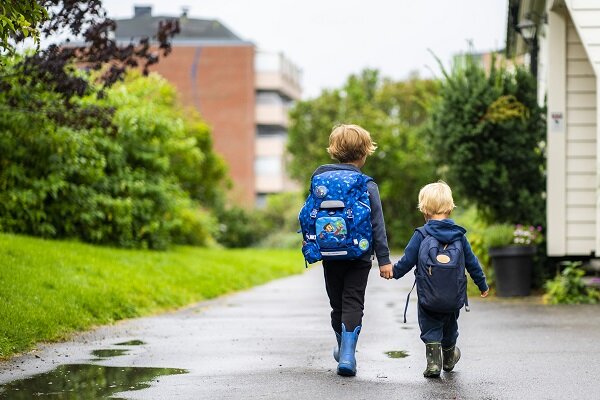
[
  {"x": 335, "y": 220},
  {"x": 440, "y": 275}
]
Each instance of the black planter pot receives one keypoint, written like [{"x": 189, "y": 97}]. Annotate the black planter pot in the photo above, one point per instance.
[{"x": 513, "y": 267}]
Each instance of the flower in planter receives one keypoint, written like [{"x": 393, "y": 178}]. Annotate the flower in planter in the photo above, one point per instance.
[
  {"x": 527, "y": 235},
  {"x": 501, "y": 235}
]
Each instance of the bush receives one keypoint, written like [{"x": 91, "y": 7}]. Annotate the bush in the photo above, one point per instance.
[
  {"x": 499, "y": 235},
  {"x": 282, "y": 241},
  {"x": 120, "y": 170},
  {"x": 238, "y": 227},
  {"x": 488, "y": 134},
  {"x": 568, "y": 287},
  {"x": 195, "y": 227},
  {"x": 476, "y": 228}
]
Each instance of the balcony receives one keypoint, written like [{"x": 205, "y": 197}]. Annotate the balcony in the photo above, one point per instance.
[
  {"x": 272, "y": 114},
  {"x": 276, "y": 73}
]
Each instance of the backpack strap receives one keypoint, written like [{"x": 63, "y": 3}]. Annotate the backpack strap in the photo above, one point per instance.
[
  {"x": 408, "y": 298},
  {"x": 423, "y": 233}
]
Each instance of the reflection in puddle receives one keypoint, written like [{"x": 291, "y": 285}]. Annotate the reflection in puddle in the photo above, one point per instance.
[
  {"x": 105, "y": 353},
  {"x": 396, "y": 354},
  {"x": 83, "y": 381},
  {"x": 135, "y": 342}
]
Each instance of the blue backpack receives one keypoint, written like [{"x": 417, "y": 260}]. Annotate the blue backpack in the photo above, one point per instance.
[
  {"x": 335, "y": 220},
  {"x": 440, "y": 275}
]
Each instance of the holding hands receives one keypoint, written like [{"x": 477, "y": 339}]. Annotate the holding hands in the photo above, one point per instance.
[{"x": 386, "y": 272}]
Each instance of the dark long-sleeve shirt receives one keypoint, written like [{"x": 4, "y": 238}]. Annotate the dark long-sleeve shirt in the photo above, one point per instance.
[
  {"x": 445, "y": 231},
  {"x": 380, "y": 244}
]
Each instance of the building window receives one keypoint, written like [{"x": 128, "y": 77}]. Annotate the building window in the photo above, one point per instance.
[
  {"x": 270, "y": 130},
  {"x": 270, "y": 98},
  {"x": 268, "y": 166},
  {"x": 261, "y": 200}
]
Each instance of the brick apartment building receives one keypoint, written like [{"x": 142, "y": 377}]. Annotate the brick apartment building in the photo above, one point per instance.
[{"x": 243, "y": 93}]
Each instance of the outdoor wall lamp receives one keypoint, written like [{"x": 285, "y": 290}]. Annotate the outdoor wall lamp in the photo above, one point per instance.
[{"x": 529, "y": 30}]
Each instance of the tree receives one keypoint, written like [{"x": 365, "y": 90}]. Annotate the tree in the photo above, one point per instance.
[
  {"x": 394, "y": 113},
  {"x": 20, "y": 18},
  {"x": 128, "y": 177},
  {"x": 488, "y": 134},
  {"x": 86, "y": 21}
]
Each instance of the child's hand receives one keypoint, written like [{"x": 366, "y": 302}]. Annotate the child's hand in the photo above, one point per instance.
[
  {"x": 386, "y": 272},
  {"x": 484, "y": 294}
]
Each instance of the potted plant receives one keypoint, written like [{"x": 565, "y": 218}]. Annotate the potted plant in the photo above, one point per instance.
[{"x": 511, "y": 250}]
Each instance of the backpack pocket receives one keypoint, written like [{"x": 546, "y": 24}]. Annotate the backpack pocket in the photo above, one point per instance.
[
  {"x": 331, "y": 232},
  {"x": 440, "y": 289},
  {"x": 311, "y": 252}
]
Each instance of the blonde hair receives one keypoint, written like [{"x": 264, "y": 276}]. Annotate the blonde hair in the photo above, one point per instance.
[
  {"x": 348, "y": 143},
  {"x": 436, "y": 198}
]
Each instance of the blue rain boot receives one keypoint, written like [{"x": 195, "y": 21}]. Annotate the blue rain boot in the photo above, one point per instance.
[
  {"x": 347, "y": 364},
  {"x": 336, "y": 350}
]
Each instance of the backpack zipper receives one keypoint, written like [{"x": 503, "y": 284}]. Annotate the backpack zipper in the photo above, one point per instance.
[
  {"x": 430, "y": 271},
  {"x": 360, "y": 202}
]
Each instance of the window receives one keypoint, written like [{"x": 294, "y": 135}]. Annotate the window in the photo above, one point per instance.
[
  {"x": 270, "y": 130},
  {"x": 267, "y": 166},
  {"x": 261, "y": 200},
  {"x": 269, "y": 98}
]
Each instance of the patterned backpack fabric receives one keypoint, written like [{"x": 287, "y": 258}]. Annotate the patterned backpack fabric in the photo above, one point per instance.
[
  {"x": 440, "y": 274},
  {"x": 335, "y": 220}
]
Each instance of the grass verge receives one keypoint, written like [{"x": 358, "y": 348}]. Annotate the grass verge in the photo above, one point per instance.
[{"x": 50, "y": 289}]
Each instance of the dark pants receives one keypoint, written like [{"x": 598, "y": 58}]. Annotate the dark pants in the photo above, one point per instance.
[
  {"x": 438, "y": 327},
  {"x": 346, "y": 282}
]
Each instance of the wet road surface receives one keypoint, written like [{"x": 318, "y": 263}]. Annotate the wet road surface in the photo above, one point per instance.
[{"x": 275, "y": 342}]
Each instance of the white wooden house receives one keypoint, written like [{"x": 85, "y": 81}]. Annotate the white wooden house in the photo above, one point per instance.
[{"x": 569, "y": 67}]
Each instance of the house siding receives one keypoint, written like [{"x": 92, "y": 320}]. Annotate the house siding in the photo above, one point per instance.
[{"x": 581, "y": 142}]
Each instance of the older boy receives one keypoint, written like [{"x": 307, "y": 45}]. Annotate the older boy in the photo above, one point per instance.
[
  {"x": 346, "y": 280},
  {"x": 439, "y": 330}
]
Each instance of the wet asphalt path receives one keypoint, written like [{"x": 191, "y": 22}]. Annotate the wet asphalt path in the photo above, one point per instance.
[{"x": 274, "y": 342}]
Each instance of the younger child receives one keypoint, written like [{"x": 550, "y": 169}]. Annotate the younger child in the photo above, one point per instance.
[{"x": 439, "y": 327}]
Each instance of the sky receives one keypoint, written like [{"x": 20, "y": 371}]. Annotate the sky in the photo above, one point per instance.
[{"x": 331, "y": 39}]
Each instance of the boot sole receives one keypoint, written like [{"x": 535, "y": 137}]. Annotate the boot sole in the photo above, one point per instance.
[
  {"x": 432, "y": 375},
  {"x": 345, "y": 371}
]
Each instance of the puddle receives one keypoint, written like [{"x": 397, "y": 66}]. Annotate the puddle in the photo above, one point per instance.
[
  {"x": 83, "y": 381},
  {"x": 135, "y": 342},
  {"x": 105, "y": 353},
  {"x": 396, "y": 354}
]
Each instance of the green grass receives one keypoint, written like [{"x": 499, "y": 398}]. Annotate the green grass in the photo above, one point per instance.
[{"x": 50, "y": 289}]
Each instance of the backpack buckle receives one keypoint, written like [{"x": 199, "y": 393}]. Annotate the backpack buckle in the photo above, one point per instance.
[
  {"x": 313, "y": 213},
  {"x": 349, "y": 213}
]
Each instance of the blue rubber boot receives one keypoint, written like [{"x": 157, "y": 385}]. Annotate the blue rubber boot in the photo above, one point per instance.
[
  {"x": 347, "y": 363},
  {"x": 336, "y": 350}
]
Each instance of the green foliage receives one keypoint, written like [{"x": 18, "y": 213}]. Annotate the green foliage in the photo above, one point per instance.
[
  {"x": 282, "y": 241},
  {"x": 477, "y": 233},
  {"x": 499, "y": 235},
  {"x": 488, "y": 133},
  {"x": 394, "y": 113},
  {"x": 273, "y": 226},
  {"x": 279, "y": 221},
  {"x": 20, "y": 18},
  {"x": 568, "y": 287},
  {"x": 51, "y": 289},
  {"x": 238, "y": 227},
  {"x": 126, "y": 174}
]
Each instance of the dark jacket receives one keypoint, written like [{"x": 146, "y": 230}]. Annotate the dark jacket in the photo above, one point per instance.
[
  {"x": 445, "y": 231},
  {"x": 380, "y": 244}
]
